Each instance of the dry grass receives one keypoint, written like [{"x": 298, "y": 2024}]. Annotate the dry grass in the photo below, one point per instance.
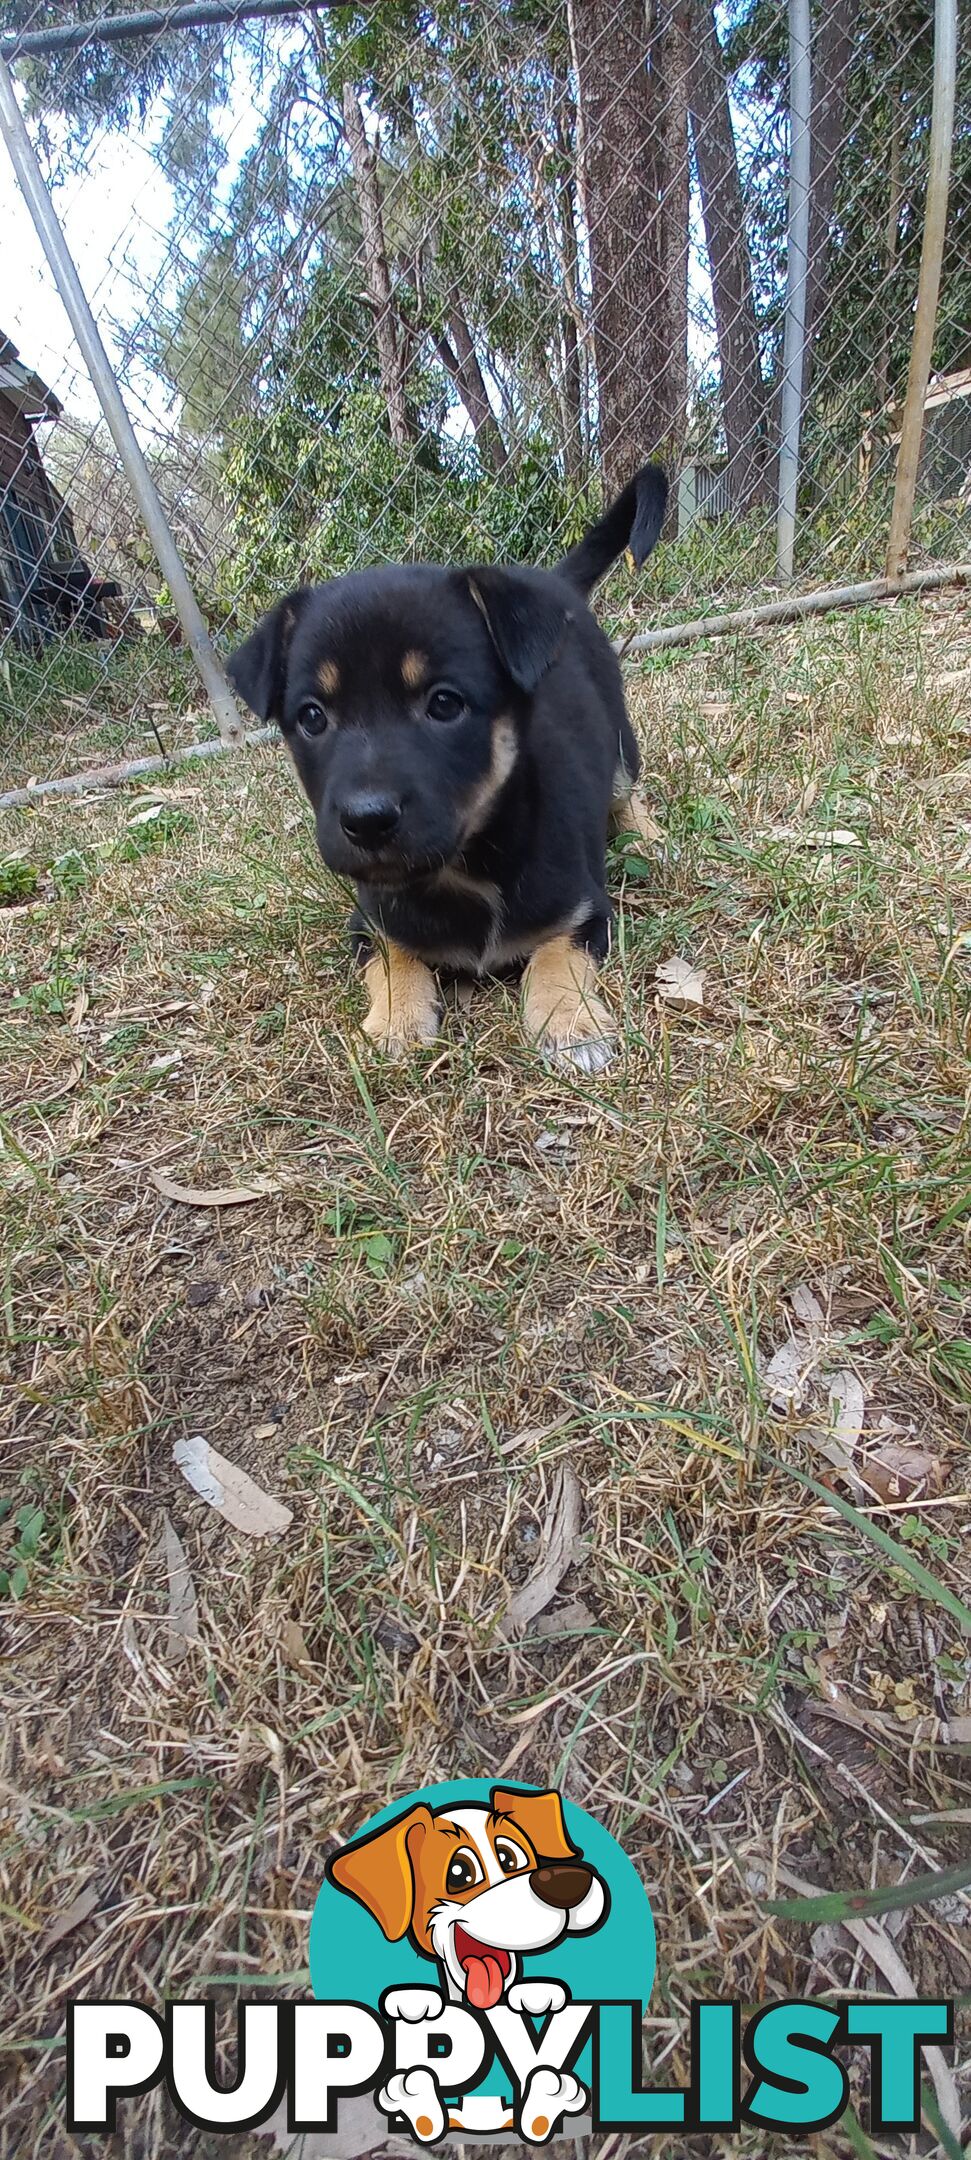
[{"x": 476, "y": 1274}]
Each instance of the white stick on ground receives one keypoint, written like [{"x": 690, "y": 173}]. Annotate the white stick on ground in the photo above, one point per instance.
[{"x": 109, "y": 776}]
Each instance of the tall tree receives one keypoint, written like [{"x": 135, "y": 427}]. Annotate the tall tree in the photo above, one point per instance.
[
  {"x": 832, "y": 64},
  {"x": 461, "y": 362},
  {"x": 670, "y": 59},
  {"x": 723, "y": 212},
  {"x": 387, "y": 328},
  {"x": 622, "y": 176}
]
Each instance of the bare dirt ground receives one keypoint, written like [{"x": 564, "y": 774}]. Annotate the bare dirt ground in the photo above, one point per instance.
[{"x": 470, "y": 1298}]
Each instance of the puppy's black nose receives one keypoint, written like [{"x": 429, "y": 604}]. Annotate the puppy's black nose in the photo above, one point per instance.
[
  {"x": 370, "y": 820},
  {"x": 562, "y": 1884}
]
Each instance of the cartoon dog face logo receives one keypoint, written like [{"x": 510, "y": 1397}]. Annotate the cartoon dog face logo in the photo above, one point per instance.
[{"x": 476, "y": 1887}]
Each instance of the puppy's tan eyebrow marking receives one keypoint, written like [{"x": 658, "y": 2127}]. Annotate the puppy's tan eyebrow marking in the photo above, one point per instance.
[
  {"x": 329, "y": 677},
  {"x": 414, "y": 668}
]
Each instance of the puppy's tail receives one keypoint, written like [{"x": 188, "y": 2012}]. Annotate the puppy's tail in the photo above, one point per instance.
[{"x": 633, "y": 521}]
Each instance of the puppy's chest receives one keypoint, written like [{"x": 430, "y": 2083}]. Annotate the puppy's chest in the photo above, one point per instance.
[{"x": 457, "y": 921}]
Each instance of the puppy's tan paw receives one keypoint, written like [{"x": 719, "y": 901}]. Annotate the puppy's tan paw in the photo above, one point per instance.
[
  {"x": 562, "y": 1011},
  {"x": 586, "y": 1057},
  {"x": 404, "y": 1010},
  {"x": 630, "y": 814}
]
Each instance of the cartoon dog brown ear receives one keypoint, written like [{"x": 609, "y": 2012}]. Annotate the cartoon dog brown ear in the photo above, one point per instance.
[
  {"x": 540, "y": 1815},
  {"x": 379, "y": 1871}
]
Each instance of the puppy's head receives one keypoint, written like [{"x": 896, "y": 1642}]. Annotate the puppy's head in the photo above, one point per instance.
[
  {"x": 476, "y": 1887},
  {"x": 402, "y": 695}
]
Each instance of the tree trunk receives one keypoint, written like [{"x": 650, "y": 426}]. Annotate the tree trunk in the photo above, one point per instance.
[
  {"x": 891, "y": 241},
  {"x": 729, "y": 262},
  {"x": 671, "y": 51},
  {"x": 574, "y": 393},
  {"x": 462, "y": 361},
  {"x": 386, "y": 327},
  {"x": 832, "y": 60},
  {"x": 620, "y": 127},
  {"x": 571, "y": 399}
]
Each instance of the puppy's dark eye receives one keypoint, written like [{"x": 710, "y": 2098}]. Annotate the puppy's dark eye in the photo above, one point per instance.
[
  {"x": 312, "y": 719},
  {"x": 463, "y": 1871},
  {"x": 511, "y": 1857},
  {"x": 445, "y": 705}
]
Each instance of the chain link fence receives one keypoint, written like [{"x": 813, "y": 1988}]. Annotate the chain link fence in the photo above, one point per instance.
[{"x": 414, "y": 281}]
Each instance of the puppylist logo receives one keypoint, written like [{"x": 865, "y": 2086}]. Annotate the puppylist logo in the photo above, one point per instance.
[{"x": 481, "y": 1959}]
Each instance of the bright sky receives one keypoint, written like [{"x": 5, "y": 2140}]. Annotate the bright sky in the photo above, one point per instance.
[{"x": 115, "y": 216}]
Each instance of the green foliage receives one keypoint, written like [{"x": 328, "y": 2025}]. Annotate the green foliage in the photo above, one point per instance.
[
  {"x": 100, "y": 85},
  {"x": 314, "y": 502},
  {"x": 23, "y": 1535},
  {"x": 19, "y": 880},
  {"x": 266, "y": 332}
]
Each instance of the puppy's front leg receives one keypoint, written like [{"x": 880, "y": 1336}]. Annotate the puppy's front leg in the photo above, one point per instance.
[
  {"x": 415, "y": 2094},
  {"x": 561, "y": 1009},
  {"x": 549, "y": 2095},
  {"x": 629, "y": 812},
  {"x": 404, "y": 1010}
]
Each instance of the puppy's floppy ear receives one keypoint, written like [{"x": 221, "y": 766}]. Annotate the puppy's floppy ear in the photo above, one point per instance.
[
  {"x": 541, "y": 1816},
  {"x": 379, "y": 1871},
  {"x": 259, "y": 669},
  {"x": 526, "y": 616}
]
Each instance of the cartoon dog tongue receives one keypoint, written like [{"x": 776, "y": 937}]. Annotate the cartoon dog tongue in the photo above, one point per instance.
[
  {"x": 485, "y": 1969},
  {"x": 483, "y": 1981}
]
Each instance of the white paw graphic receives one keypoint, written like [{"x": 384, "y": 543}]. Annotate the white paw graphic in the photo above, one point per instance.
[
  {"x": 415, "y": 2095},
  {"x": 537, "y": 1997},
  {"x": 549, "y": 2094},
  {"x": 413, "y": 2005}
]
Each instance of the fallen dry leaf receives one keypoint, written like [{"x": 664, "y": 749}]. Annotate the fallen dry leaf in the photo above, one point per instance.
[
  {"x": 808, "y": 1309},
  {"x": 559, "y": 1553},
  {"x": 231, "y": 1490},
  {"x": 79, "y": 1008},
  {"x": 530, "y": 1435},
  {"x": 567, "y": 1619},
  {"x": 838, "y": 1439},
  {"x": 214, "y": 1196},
  {"x": 73, "y": 1916},
  {"x": 294, "y": 1644},
  {"x": 894, "y": 1472},
  {"x": 183, "y": 1627},
  {"x": 847, "y": 1408},
  {"x": 785, "y": 1374},
  {"x": 681, "y": 985},
  {"x": 816, "y": 837}
]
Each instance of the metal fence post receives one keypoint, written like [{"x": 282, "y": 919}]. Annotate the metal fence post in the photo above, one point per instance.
[
  {"x": 797, "y": 277},
  {"x": 27, "y": 168},
  {"x": 929, "y": 283}
]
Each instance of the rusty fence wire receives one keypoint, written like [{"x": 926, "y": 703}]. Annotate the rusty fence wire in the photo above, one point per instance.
[{"x": 404, "y": 281}]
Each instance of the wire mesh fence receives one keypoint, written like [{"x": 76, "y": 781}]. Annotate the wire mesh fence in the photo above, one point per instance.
[{"x": 419, "y": 281}]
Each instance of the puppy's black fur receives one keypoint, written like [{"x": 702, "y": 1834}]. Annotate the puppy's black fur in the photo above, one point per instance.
[{"x": 461, "y": 735}]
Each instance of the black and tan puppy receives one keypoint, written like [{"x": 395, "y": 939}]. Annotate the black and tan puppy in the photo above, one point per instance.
[{"x": 463, "y": 739}]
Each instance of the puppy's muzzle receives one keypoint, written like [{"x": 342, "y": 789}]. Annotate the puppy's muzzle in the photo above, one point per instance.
[
  {"x": 371, "y": 820},
  {"x": 562, "y": 1885}
]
